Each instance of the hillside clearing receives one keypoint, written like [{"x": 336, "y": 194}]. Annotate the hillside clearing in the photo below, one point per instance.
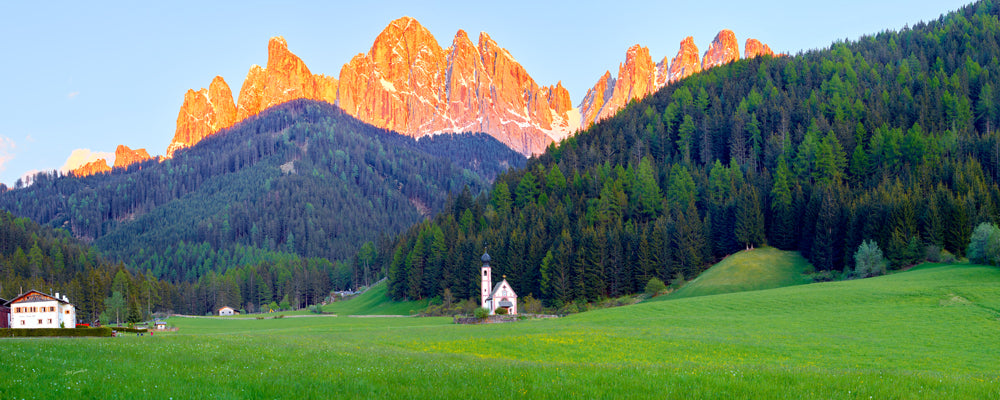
[{"x": 757, "y": 269}]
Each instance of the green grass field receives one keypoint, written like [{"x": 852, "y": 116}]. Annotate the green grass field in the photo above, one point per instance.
[
  {"x": 928, "y": 333},
  {"x": 375, "y": 301},
  {"x": 758, "y": 269}
]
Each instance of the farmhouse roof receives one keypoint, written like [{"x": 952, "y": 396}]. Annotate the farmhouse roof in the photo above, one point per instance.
[{"x": 32, "y": 296}]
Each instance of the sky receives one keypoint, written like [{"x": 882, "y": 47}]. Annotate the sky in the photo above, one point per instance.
[{"x": 80, "y": 78}]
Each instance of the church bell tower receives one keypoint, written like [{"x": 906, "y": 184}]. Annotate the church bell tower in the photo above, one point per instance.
[{"x": 487, "y": 276}]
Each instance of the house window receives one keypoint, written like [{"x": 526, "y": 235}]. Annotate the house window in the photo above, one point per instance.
[
  {"x": 22, "y": 322},
  {"x": 53, "y": 308},
  {"x": 39, "y": 321},
  {"x": 50, "y": 320},
  {"x": 67, "y": 311}
]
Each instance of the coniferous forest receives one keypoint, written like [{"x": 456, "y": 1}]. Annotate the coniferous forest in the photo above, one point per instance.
[
  {"x": 891, "y": 138},
  {"x": 276, "y": 207}
]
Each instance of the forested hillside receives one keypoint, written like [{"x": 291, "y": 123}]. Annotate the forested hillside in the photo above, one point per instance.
[
  {"x": 892, "y": 138},
  {"x": 300, "y": 180}
]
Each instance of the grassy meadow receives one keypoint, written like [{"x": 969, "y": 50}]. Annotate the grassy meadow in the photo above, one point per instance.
[
  {"x": 931, "y": 333},
  {"x": 375, "y": 301}
]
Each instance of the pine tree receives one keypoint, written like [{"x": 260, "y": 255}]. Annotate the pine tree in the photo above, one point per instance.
[
  {"x": 749, "y": 224},
  {"x": 782, "y": 210}
]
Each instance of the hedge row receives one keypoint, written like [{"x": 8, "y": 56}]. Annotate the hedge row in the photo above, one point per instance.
[
  {"x": 56, "y": 332},
  {"x": 129, "y": 330}
]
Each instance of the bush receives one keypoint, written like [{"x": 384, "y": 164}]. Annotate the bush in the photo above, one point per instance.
[
  {"x": 932, "y": 253},
  {"x": 315, "y": 309},
  {"x": 868, "y": 260},
  {"x": 531, "y": 305},
  {"x": 56, "y": 332},
  {"x": 984, "y": 245},
  {"x": 501, "y": 311},
  {"x": 655, "y": 286},
  {"x": 482, "y": 313},
  {"x": 130, "y": 330}
]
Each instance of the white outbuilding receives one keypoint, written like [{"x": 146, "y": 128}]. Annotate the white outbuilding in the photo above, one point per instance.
[
  {"x": 225, "y": 311},
  {"x": 35, "y": 309}
]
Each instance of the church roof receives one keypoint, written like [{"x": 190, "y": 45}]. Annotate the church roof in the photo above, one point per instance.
[
  {"x": 486, "y": 257},
  {"x": 496, "y": 289},
  {"x": 506, "y": 303}
]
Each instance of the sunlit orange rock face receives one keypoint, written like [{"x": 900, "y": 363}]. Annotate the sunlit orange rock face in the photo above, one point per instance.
[
  {"x": 203, "y": 113},
  {"x": 723, "y": 50},
  {"x": 97, "y": 166},
  {"x": 636, "y": 79},
  {"x": 639, "y": 77},
  {"x": 285, "y": 78},
  {"x": 124, "y": 156},
  {"x": 409, "y": 84},
  {"x": 754, "y": 48},
  {"x": 596, "y": 98},
  {"x": 685, "y": 63}
]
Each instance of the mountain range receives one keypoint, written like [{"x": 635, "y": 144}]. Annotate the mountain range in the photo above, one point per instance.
[{"x": 409, "y": 84}]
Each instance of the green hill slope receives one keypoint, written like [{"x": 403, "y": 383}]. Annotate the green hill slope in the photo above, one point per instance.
[
  {"x": 375, "y": 302},
  {"x": 758, "y": 269}
]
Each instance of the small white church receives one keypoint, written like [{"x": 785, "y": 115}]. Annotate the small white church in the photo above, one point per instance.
[{"x": 499, "y": 296}]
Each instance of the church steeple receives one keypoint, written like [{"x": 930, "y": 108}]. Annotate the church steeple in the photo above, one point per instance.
[{"x": 487, "y": 280}]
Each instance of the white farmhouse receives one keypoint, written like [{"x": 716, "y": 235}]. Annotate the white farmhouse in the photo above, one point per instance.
[
  {"x": 501, "y": 295},
  {"x": 225, "y": 311},
  {"x": 35, "y": 309}
]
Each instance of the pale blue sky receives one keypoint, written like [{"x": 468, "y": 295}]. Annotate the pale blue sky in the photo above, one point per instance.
[{"x": 75, "y": 75}]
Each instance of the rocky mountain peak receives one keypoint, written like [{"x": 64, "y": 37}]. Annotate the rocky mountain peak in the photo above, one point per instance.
[{"x": 723, "y": 50}]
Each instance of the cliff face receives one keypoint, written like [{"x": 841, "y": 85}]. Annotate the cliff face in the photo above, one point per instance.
[
  {"x": 203, "y": 113},
  {"x": 124, "y": 156},
  {"x": 723, "y": 50},
  {"x": 639, "y": 77},
  {"x": 97, "y": 166},
  {"x": 406, "y": 83},
  {"x": 409, "y": 84},
  {"x": 285, "y": 78},
  {"x": 754, "y": 48},
  {"x": 685, "y": 63}
]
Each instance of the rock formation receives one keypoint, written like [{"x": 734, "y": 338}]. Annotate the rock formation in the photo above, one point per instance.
[
  {"x": 97, "y": 166},
  {"x": 124, "y": 156},
  {"x": 754, "y": 48},
  {"x": 638, "y": 77},
  {"x": 685, "y": 63},
  {"x": 723, "y": 50},
  {"x": 409, "y": 84},
  {"x": 203, "y": 113},
  {"x": 285, "y": 78}
]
